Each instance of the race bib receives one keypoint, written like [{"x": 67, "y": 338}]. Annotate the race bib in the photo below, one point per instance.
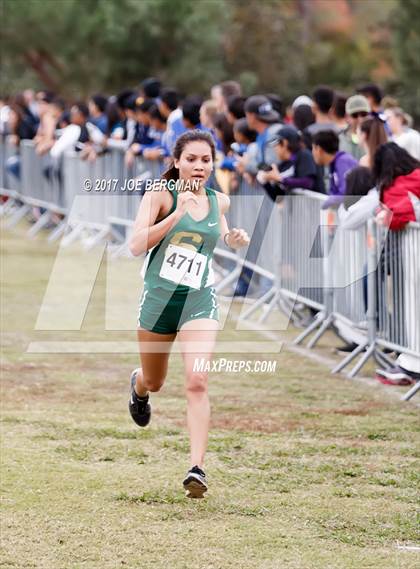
[{"x": 183, "y": 266}]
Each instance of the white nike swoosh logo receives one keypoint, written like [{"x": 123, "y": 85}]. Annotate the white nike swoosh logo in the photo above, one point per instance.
[
  {"x": 211, "y": 224},
  {"x": 197, "y": 313}
]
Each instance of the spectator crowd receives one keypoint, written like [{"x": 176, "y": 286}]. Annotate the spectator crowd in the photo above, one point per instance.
[{"x": 360, "y": 149}]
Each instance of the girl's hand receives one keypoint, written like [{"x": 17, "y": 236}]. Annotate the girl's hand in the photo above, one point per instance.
[
  {"x": 183, "y": 199},
  {"x": 237, "y": 238}
]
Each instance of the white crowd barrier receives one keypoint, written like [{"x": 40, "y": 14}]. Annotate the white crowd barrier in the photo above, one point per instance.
[{"x": 368, "y": 281}]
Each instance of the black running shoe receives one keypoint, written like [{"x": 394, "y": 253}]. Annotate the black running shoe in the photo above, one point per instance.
[
  {"x": 139, "y": 407},
  {"x": 195, "y": 483}
]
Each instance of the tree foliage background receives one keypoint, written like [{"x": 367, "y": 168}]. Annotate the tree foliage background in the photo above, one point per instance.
[{"x": 78, "y": 47}]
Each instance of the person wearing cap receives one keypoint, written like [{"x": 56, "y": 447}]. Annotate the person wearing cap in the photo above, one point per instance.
[
  {"x": 357, "y": 109},
  {"x": 262, "y": 118},
  {"x": 302, "y": 100},
  {"x": 296, "y": 167}
]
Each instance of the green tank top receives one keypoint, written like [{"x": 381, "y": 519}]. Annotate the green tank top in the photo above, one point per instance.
[{"x": 182, "y": 260}]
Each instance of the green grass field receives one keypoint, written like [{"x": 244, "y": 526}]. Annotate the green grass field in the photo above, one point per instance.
[{"x": 306, "y": 470}]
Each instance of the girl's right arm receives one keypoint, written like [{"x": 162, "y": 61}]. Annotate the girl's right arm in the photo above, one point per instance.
[{"x": 146, "y": 233}]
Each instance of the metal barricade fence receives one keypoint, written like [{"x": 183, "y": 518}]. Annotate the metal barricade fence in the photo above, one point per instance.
[
  {"x": 301, "y": 238},
  {"x": 115, "y": 169},
  {"x": 282, "y": 235},
  {"x": 349, "y": 270},
  {"x": 40, "y": 177},
  {"x": 398, "y": 289},
  {"x": 32, "y": 165},
  {"x": 286, "y": 232},
  {"x": 252, "y": 210},
  {"x": 90, "y": 209},
  {"x": 11, "y": 151}
]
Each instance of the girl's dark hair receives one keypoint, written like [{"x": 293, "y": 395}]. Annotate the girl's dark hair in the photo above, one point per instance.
[
  {"x": 375, "y": 132},
  {"x": 195, "y": 135},
  {"x": 391, "y": 161},
  {"x": 241, "y": 125},
  {"x": 358, "y": 182},
  {"x": 223, "y": 125}
]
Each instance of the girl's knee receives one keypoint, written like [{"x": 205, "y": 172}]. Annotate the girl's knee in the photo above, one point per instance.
[
  {"x": 153, "y": 384},
  {"x": 155, "y": 388},
  {"x": 196, "y": 382}
]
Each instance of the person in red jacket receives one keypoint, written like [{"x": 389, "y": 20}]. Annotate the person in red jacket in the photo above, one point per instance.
[{"x": 397, "y": 176}]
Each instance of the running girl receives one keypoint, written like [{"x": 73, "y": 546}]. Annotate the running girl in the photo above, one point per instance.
[{"x": 180, "y": 229}]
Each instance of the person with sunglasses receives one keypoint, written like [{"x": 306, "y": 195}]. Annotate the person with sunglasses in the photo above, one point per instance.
[{"x": 357, "y": 110}]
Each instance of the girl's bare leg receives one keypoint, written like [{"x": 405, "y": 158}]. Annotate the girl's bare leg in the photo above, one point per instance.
[
  {"x": 154, "y": 365},
  {"x": 204, "y": 332}
]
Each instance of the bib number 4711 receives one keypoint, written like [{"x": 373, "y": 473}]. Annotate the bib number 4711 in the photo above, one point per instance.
[{"x": 183, "y": 266}]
